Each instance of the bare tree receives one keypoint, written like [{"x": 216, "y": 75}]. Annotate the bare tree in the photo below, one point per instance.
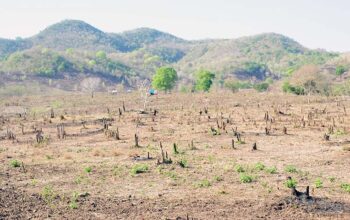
[
  {"x": 90, "y": 84},
  {"x": 143, "y": 88}
]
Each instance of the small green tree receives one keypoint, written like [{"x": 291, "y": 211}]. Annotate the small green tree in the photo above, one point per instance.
[
  {"x": 101, "y": 55},
  {"x": 165, "y": 78},
  {"x": 340, "y": 70},
  {"x": 204, "y": 80}
]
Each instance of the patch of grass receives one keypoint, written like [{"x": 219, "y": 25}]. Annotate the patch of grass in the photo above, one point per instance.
[
  {"x": 240, "y": 142},
  {"x": 239, "y": 168},
  {"x": 15, "y": 163},
  {"x": 218, "y": 178},
  {"x": 139, "y": 168},
  {"x": 183, "y": 163},
  {"x": 118, "y": 171},
  {"x": 204, "y": 183},
  {"x": 73, "y": 201},
  {"x": 259, "y": 166},
  {"x": 345, "y": 187},
  {"x": 271, "y": 170},
  {"x": 318, "y": 183},
  {"x": 339, "y": 132},
  {"x": 171, "y": 175},
  {"x": 245, "y": 178},
  {"x": 290, "y": 169},
  {"x": 291, "y": 183},
  {"x": 48, "y": 194},
  {"x": 33, "y": 182},
  {"x": 88, "y": 169}
]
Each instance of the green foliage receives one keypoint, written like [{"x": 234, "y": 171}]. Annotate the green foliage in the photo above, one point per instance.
[
  {"x": 204, "y": 183},
  {"x": 290, "y": 169},
  {"x": 87, "y": 169},
  {"x": 271, "y": 170},
  {"x": 139, "y": 168},
  {"x": 183, "y": 163},
  {"x": 288, "y": 88},
  {"x": 48, "y": 194},
  {"x": 164, "y": 79},
  {"x": 261, "y": 87},
  {"x": 318, "y": 183},
  {"x": 218, "y": 178},
  {"x": 340, "y": 70},
  {"x": 101, "y": 55},
  {"x": 244, "y": 178},
  {"x": 204, "y": 80},
  {"x": 291, "y": 183},
  {"x": 239, "y": 168},
  {"x": 234, "y": 86},
  {"x": 15, "y": 163},
  {"x": 73, "y": 201},
  {"x": 259, "y": 166},
  {"x": 345, "y": 187}
]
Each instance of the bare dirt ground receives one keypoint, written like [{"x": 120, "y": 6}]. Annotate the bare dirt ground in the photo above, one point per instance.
[{"x": 90, "y": 174}]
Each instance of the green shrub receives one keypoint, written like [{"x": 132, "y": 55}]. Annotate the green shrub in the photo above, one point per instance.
[
  {"x": 288, "y": 88},
  {"x": 271, "y": 170},
  {"x": 290, "y": 169},
  {"x": 239, "y": 168},
  {"x": 244, "y": 178},
  {"x": 340, "y": 70},
  {"x": 259, "y": 166},
  {"x": 139, "y": 168},
  {"x": 318, "y": 183},
  {"x": 204, "y": 183},
  {"x": 218, "y": 178},
  {"x": 234, "y": 86},
  {"x": 183, "y": 163},
  {"x": 204, "y": 80},
  {"x": 261, "y": 87},
  {"x": 48, "y": 194},
  {"x": 15, "y": 163},
  {"x": 73, "y": 201},
  {"x": 88, "y": 169},
  {"x": 291, "y": 183},
  {"x": 346, "y": 187}
]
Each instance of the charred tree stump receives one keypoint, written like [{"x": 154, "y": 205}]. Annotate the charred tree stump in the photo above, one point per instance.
[
  {"x": 52, "y": 114},
  {"x": 61, "y": 134},
  {"x": 284, "y": 130},
  {"x": 136, "y": 141},
  {"x": 326, "y": 137},
  {"x": 39, "y": 137},
  {"x": 254, "y": 147},
  {"x": 117, "y": 137}
]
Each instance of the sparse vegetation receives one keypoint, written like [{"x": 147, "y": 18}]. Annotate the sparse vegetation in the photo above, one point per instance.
[
  {"x": 318, "y": 183},
  {"x": 271, "y": 170},
  {"x": 245, "y": 178},
  {"x": 203, "y": 183},
  {"x": 346, "y": 187},
  {"x": 290, "y": 169},
  {"x": 139, "y": 168},
  {"x": 291, "y": 183}
]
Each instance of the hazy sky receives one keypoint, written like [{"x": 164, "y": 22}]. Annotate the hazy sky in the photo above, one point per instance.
[{"x": 313, "y": 23}]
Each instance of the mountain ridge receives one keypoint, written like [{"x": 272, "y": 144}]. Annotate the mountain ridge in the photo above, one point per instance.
[{"x": 72, "y": 47}]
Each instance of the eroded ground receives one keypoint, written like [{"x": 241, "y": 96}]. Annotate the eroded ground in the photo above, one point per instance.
[{"x": 92, "y": 175}]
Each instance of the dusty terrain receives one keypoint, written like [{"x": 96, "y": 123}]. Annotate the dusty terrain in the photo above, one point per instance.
[{"x": 90, "y": 174}]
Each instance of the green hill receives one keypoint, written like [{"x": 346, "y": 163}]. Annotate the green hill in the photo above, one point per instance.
[{"x": 71, "y": 47}]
